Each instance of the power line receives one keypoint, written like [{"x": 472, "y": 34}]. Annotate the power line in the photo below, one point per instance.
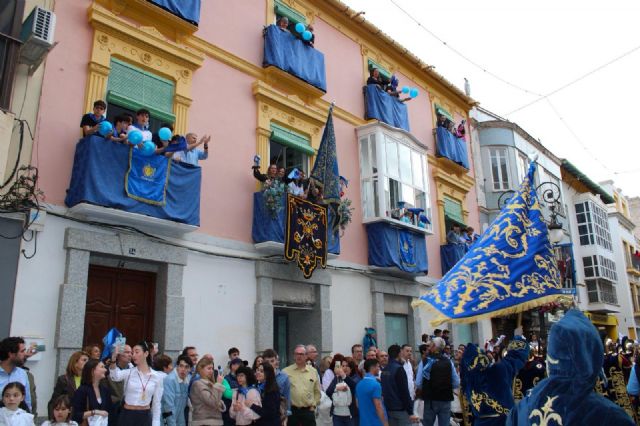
[
  {"x": 576, "y": 80},
  {"x": 460, "y": 54}
]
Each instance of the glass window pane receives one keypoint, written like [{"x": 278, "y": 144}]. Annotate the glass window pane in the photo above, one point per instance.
[
  {"x": 404, "y": 154},
  {"x": 416, "y": 165},
  {"x": 495, "y": 171},
  {"x": 394, "y": 194},
  {"x": 374, "y": 156},
  {"x": 407, "y": 195},
  {"x": 421, "y": 199},
  {"x": 365, "y": 161},
  {"x": 503, "y": 170},
  {"x": 396, "y": 329},
  {"x": 392, "y": 159},
  {"x": 367, "y": 198},
  {"x": 579, "y": 208}
]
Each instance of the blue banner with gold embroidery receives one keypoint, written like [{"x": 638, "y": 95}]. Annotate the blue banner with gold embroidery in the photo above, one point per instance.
[
  {"x": 325, "y": 169},
  {"x": 147, "y": 177},
  {"x": 306, "y": 234},
  {"x": 510, "y": 269}
]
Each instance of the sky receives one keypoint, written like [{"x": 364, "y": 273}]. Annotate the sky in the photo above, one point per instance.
[{"x": 539, "y": 46}]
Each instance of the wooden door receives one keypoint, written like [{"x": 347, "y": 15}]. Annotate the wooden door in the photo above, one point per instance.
[{"x": 119, "y": 298}]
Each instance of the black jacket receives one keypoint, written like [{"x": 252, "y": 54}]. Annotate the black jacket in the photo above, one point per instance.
[
  {"x": 85, "y": 400},
  {"x": 270, "y": 411}
]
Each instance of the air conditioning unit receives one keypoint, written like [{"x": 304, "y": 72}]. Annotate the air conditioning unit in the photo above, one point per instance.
[{"x": 37, "y": 37}]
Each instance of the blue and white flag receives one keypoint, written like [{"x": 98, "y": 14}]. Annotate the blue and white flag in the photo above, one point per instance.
[
  {"x": 510, "y": 269},
  {"x": 147, "y": 178}
]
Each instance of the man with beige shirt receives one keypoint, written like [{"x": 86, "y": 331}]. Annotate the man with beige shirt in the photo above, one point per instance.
[{"x": 305, "y": 389}]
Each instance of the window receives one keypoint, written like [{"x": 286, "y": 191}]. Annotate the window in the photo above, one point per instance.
[
  {"x": 499, "y": 169},
  {"x": 289, "y": 149},
  {"x": 601, "y": 291},
  {"x": 593, "y": 225},
  {"x": 396, "y": 330},
  {"x": 371, "y": 64},
  {"x": 523, "y": 166},
  {"x": 130, "y": 88},
  {"x": 283, "y": 10},
  {"x": 392, "y": 170},
  {"x": 10, "y": 24},
  {"x": 599, "y": 267}
]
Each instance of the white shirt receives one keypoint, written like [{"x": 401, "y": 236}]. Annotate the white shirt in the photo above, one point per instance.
[
  {"x": 134, "y": 382},
  {"x": 327, "y": 378},
  {"x": 69, "y": 423},
  {"x": 15, "y": 418},
  {"x": 408, "y": 368}
]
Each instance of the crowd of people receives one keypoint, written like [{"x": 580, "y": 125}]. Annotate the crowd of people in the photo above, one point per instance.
[
  {"x": 185, "y": 149},
  {"x": 500, "y": 384},
  {"x": 295, "y": 182}
]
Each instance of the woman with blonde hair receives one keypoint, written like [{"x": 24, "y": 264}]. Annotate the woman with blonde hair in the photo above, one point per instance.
[
  {"x": 68, "y": 383},
  {"x": 206, "y": 396}
]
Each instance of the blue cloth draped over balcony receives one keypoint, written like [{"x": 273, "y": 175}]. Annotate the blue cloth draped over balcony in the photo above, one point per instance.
[
  {"x": 268, "y": 228},
  {"x": 391, "y": 246},
  {"x": 285, "y": 51},
  {"x": 98, "y": 177},
  {"x": 189, "y": 10},
  {"x": 455, "y": 149},
  {"x": 450, "y": 254},
  {"x": 380, "y": 105}
]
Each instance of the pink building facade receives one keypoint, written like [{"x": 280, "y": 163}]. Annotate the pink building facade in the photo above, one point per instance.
[{"x": 212, "y": 285}]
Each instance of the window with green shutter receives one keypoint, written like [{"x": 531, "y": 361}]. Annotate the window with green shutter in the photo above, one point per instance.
[
  {"x": 293, "y": 15},
  {"x": 453, "y": 211},
  {"x": 133, "y": 88},
  {"x": 371, "y": 64},
  {"x": 289, "y": 149}
]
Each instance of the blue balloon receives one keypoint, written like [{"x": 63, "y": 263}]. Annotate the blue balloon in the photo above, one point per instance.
[
  {"x": 300, "y": 27},
  {"x": 405, "y": 89},
  {"x": 148, "y": 148},
  {"x": 105, "y": 128},
  {"x": 306, "y": 35},
  {"x": 413, "y": 93},
  {"x": 164, "y": 134},
  {"x": 135, "y": 137}
]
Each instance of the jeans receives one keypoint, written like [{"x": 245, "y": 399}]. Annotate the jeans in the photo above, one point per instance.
[
  {"x": 342, "y": 421},
  {"x": 398, "y": 418},
  {"x": 436, "y": 409}
]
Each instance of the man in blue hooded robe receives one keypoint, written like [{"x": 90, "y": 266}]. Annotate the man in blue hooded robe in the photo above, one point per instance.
[
  {"x": 567, "y": 397},
  {"x": 488, "y": 387}
]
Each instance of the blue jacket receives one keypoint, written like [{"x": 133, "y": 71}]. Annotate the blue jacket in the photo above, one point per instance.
[
  {"x": 395, "y": 390},
  {"x": 488, "y": 387},
  {"x": 574, "y": 359},
  {"x": 174, "y": 399},
  {"x": 285, "y": 387}
]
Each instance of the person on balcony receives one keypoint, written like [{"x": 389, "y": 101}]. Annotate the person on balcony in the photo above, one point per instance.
[
  {"x": 470, "y": 236},
  {"x": 142, "y": 124},
  {"x": 296, "y": 184},
  {"x": 192, "y": 154},
  {"x": 377, "y": 79},
  {"x": 283, "y": 24},
  {"x": 272, "y": 173},
  {"x": 90, "y": 121},
  {"x": 312, "y": 40},
  {"x": 442, "y": 121},
  {"x": 121, "y": 124},
  {"x": 454, "y": 236}
]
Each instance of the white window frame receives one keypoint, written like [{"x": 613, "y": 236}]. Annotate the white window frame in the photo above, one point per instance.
[
  {"x": 375, "y": 176},
  {"x": 596, "y": 223},
  {"x": 503, "y": 182}
]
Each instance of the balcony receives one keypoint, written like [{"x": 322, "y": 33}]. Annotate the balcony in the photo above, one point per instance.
[
  {"x": 450, "y": 254},
  {"x": 285, "y": 55},
  {"x": 564, "y": 258},
  {"x": 268, "y": 229},
  {"x": 379, "y": 105},
  {"x": 9, "y": 54},
  {"x": 451, "y": 147},
  {"x": 397, "y": 249},
  {"x": 102, "y": 188}
]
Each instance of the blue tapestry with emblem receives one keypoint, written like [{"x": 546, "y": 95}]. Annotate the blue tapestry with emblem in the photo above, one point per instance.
[
  {"x": 511, "y": 268},
  {"x": 147, "y": 177},
  {"x": 306, "y": 234}
]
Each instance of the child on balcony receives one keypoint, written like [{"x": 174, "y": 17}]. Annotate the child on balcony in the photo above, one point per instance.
[
  {"x": 90, "y": 121},
  {"x": 142, "y": 124},
  {"x": 121, "y": 124}
]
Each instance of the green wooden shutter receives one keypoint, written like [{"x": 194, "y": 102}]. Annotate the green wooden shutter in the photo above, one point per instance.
[
  {"x": 453, "y": 210},
  {"x": 383, "y": 72},
  {"x": 293, "y": 15},
  {"x": 442, "y": 111},
  {"x": 135, "y": 88},
  {"x": 289, "y": 138}
]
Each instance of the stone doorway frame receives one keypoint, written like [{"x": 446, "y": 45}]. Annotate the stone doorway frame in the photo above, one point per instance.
[{"x": 80, "y": 245}]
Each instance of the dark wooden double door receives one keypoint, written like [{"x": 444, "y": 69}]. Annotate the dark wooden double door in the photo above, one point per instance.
[{"x": 119, "y": 298}]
